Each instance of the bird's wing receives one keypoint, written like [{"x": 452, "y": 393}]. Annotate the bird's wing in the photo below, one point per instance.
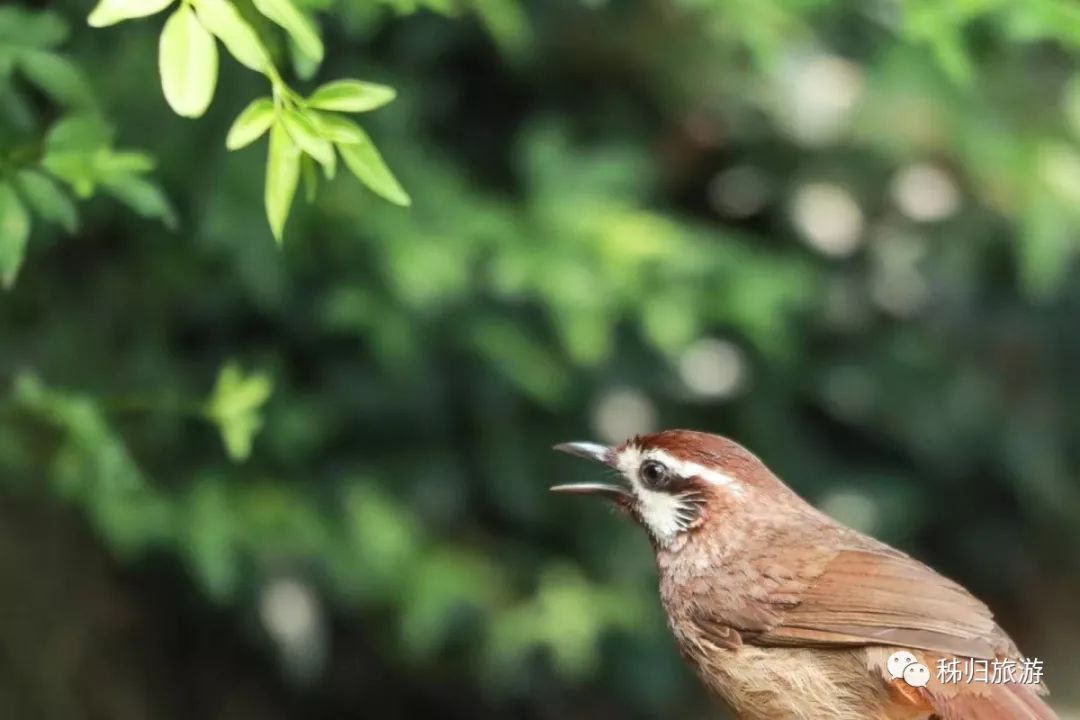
[
  {"x": 883, "y": 597},
  {"x": 871, "y": 596},
  {"x": 989, "y": 702}
]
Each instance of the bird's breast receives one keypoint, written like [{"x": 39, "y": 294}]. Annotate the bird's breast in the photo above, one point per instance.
[{"x": 797, "y": 684}]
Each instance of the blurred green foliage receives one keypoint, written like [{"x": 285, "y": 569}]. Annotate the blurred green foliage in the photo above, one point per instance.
[{"x": 843, "y": 233}]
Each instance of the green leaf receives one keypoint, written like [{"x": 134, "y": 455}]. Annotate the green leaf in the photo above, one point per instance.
[
  {"x": 31, "y": 29},
  {"x": 76, "y": 133},
  {"x": 513, "y": 350},
  {"x": 335, "y": 128},
  {"x": 7, "y": 67},
  {"x": 212, "y": 537},
  {"x": 235, "y": 406},
  {"x": 188, "y": 60},
  {"x": 282, "y": 176},
  {"x": 365, "y": 162},
  {"x": 78, "y": 151},
  {"x": 73, "y": 149},
  {"x": 94, "y": 467},
  {"x": 48, "y": 199},
  {"x": 142, "y": 196},
  {"x": 299, "y": 26},
  {"x": 110, "y": 12},
  {"x": 58, "y": 77},
  {"x": 221, "y": 18},
  {"x": 508, "y": 24},
  {"x": 251, "y": 123},
  {"x": 306, "y": 135},
  {"x": 14, "y": 232},
  {"x": 351, "y": 96}
]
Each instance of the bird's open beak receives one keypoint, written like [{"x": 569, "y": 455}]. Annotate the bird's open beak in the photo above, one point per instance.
[{"x": 597, "y": 453}]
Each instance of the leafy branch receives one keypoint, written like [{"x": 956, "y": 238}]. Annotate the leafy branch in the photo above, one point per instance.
[
  {"x": 76, "y": 150},
  {"x": 304, "y": 133}
]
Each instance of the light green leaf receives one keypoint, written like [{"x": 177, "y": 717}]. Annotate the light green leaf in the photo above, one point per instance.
[
  {"x": 306, "y": 135},
  {"x": 1046, "y": 247},
  {"x": 1071, "y": 104},
  {"x": 57, "y": 77},
  {"x": 251, "y": 123},
  {"x": 110, "y": 12},
  {"x": 282, "y": 176},
  {"x": 351, "y": 96},
  {"x": 142, "y": 196},
  {"x": 112, "y": 163},
  {"x": 299, "y": 26},
  {"x": 76, "y": 169},
  {"x": 188, "y": 61},
  {"x": 48, "y": 199},
  {"x": 221, "y": 18},
  {"x": 304, "y": 66},
  {"x": 666, "y": 322},
  {"x": 365, "y": 162},
  {"x": 14, "y": 232},
  {"x": 1057, "y": 166},
  {"x": 310, "y": 173},
  {"x": 236, "y": 404},
  {"x": 335, "y": 128},
  {"x": 330, "y": 168}
]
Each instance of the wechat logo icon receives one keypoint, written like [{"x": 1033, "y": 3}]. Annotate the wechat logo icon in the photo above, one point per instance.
[{"x": 902, "y": 665}]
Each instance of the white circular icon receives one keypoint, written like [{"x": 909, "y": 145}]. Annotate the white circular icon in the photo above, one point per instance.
[
  {"x": 898, "y": 661},
  {"x": 917, "y": 675}
]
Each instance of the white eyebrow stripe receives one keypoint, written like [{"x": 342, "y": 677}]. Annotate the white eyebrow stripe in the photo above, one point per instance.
[
  {"x": 667, "y": 515},
  {"x": 685, "y": 468}
]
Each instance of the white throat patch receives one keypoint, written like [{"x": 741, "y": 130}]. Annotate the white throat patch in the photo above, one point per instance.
[{"x": 666, "y": 514}]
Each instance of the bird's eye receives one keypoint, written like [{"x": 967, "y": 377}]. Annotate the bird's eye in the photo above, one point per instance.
[{"x": 653, "y": 473}]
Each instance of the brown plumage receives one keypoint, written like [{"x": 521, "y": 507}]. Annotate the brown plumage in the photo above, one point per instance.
[{"x": 787, "y": 614}]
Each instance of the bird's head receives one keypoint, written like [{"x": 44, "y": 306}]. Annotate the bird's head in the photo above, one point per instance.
[{"x": 676, "y": 481}]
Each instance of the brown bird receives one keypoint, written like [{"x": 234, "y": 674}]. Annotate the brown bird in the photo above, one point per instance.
[{"x": 787, "y": 614}]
